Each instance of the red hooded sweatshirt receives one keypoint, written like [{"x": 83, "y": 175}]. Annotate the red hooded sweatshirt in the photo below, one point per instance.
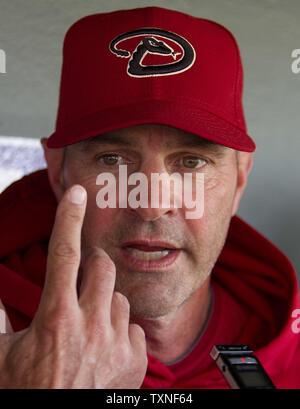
[{"x": 254, "y": 292}]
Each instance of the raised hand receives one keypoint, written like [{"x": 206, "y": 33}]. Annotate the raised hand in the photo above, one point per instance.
[{"x": 72, "y": 342}]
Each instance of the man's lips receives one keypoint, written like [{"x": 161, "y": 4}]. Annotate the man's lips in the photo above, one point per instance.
[
  {"x": 149, "y": 245},
  {"x": 149, "y": 254}
]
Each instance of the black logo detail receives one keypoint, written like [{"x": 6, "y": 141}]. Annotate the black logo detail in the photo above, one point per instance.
[{"x": 152, "y": 45}]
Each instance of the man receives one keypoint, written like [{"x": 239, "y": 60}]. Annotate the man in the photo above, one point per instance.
[{"x": 136, "y": 296}]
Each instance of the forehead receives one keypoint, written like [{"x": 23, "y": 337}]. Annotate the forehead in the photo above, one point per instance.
[{"x": 152, "y": 135}]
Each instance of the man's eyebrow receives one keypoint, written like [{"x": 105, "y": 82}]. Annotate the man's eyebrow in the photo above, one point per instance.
[
  {"x": 178, "y": 142},
  {"x": 105, "y": 139},
  {"x": 194, "y": 141}
]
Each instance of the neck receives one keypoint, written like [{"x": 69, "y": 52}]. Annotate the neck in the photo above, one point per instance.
[{"x": 184, "y": 325}]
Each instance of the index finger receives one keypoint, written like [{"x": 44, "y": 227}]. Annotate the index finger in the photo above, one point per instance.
[{"x": 64, "y": 246}]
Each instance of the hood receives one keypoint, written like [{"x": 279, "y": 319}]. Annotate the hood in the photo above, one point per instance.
[{"x": 250, "y": 268}]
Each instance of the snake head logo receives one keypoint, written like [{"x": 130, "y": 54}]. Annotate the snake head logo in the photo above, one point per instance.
[
  {"x": 150, "y": 44},
  {"x": 154, "y": 46}
]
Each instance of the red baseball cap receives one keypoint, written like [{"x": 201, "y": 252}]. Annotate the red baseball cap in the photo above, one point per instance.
[{"x": 150, "y": 65}]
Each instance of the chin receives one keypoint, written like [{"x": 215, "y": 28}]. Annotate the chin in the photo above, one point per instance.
[
  {"x": 154, "y": 303},
  {"x": 148, "y": 313}
]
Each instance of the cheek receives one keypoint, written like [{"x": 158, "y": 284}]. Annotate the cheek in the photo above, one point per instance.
[
  {"x": 75, "y": 172},
  {"x": 219, "y": 192},
  {"x": 97, "y": 224},
  {"x": 210, "y": 229}
]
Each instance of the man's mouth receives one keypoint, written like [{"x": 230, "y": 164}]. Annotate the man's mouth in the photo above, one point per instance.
[{"x": 148, "y": 250}]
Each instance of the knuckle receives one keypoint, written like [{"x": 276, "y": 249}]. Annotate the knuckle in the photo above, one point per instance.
[
  {"x": 106, "y": 264},
  {"x": 69, "y": 215},
  {"x": 137, "y": 331},
  {"x": 98, "y": 332},
  {"x": 100, "y": 260},
  {"x": 122, "y": 301},
  {"x": 64, "y": 250},
  {"x": 124, "y": 351},
  {"x": 57, "y": 318}
]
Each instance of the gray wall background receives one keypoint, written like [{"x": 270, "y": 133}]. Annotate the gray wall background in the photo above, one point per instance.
[{"x": 31, "y": 34}]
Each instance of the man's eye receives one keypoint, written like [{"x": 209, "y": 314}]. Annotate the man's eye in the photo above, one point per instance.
[
  {"x": 109, "y": 160},
  {"x": 192, "y": 162}
]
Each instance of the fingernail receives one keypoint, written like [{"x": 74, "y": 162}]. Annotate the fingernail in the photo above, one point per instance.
[{"x": 77, "y": 195}]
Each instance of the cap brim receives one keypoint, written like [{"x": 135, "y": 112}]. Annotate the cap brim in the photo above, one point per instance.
[{"x": 175, "y": 114}]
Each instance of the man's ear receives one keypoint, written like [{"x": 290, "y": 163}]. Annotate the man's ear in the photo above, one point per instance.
[
  {"x": 54, "y": 159},
  {"x": 244, "y": 165}
]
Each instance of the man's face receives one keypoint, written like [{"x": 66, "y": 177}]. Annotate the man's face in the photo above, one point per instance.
[{"x": 184, "y": 250}]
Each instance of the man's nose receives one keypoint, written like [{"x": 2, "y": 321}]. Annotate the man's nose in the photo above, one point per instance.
[{"x": 159, "y": 193}]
